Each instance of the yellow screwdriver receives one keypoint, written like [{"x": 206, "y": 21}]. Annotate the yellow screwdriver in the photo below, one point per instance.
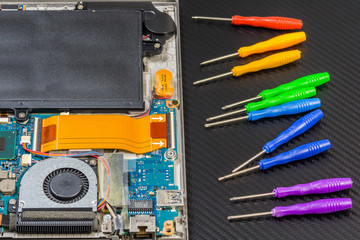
[
  {"x": 272, "y": 61},
  {"x": 276, "y": 43}
]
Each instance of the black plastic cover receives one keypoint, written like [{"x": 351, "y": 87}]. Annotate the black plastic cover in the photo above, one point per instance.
[{"x": 71, "y": 59}]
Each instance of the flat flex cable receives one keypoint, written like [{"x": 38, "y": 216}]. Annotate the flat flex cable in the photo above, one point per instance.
[{"x": 137, "y": 135}]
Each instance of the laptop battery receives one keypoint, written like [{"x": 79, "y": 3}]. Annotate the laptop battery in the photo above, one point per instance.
[{"x": 71, "y": 59}]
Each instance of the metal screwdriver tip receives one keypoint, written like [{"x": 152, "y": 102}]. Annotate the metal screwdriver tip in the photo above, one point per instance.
[
  {"x": 238, "y": 173},
  {"x": 211, "y": 18},
  {"x": 237, "y": 217},
  {"x": 240, "y": 103},
  {"x": 225, "y": 121},
  {"x": 249, "y": 161},
  {"x": 225, "y": 115},
  {"x": 212, "y": 78},
  {"x": 219, "y": 58},
  {"x": 235, "y": 199}
]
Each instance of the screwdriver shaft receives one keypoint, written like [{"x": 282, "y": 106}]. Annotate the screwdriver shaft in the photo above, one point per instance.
[
  {"x": 234, "y": 199},
  {"x": 241, "y": 102},
  {"x": 219, "y": 58},
  {"x": 249, "y": 215},
  {"x": 211, "y": 18},
  {"x": 238, "y": 173},
  {"x": 225, "y": 121},
  {"x": 249, "y": 161},
  {"x": 213, "y": 78},
  {"x": 225, "y": 115}
]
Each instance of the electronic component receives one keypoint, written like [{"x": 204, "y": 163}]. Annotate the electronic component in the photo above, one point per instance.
[
  {"x": 4, "y": 120},
  {"x": 168, "y": 228},
  {"x": 140, "y": 205},
  {"x": 7, "y": 186},
  {"x": 118, "y": 192},
  {"x": 164, "y": 87},
  {"x": 37, "y": 134},
  {"x": 3, "y": 174},
  {"x": 166, "y": 198},
  {"x": 171, "y": 121},
  {"x": 64, "y": 193},
  {"x": 7, "y": 144},
  {"x": 25, "y": 160},
  {"x": 25, "y": 139},
  {"x": 139, "y": 135},
  {"x": 1, "y": 203},
  {"x": 106, "y": 225},
  {"x": 142, "y": 227}
]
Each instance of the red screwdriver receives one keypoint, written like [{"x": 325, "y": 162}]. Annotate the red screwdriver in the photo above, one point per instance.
[{"x": 280, "y": 23}]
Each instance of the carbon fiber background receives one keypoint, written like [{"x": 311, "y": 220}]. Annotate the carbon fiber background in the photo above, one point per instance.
[{"x": 333, "y": 31}]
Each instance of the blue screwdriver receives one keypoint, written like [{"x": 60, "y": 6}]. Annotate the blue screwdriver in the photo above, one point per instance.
[
  {"x": 297, "y": 128},
  {"x": 289, "y": 108},
  {"x": 301, "y": 152}
]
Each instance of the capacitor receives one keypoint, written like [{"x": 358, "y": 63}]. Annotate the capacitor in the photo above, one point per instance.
[{"x": 164, "y": 87}]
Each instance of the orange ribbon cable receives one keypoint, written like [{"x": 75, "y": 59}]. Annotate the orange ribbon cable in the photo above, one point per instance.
[{"x": 137, "y": 135}]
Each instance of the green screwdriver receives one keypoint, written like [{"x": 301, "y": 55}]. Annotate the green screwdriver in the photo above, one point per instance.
[
  {"x": 313, "y": 80},
  {"x": 289, "y": 96}
]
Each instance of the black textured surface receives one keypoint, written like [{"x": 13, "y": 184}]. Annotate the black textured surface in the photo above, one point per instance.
[
  {"x": 332, "y": 29},
  {"x": 71, "y": 59}
]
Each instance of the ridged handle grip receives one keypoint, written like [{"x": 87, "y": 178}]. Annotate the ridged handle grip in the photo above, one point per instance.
[
  {"x": 317, "y": 187},
  {"x": 301, "y": 152},
  {"x": 272, "y": 61},
  {"x": 316, "y": 207},
  {"x": 290, "y": 108},
  {"x": 297, "y": 128},
  {"x": 280, "y": 23},
  {"x": 307, "y": 81},
  {"x": 289, "y": 96},
  {"x": 279, "y": 42}
]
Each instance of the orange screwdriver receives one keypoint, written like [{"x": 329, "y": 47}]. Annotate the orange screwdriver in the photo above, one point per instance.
[
  {"x": 276, "y": 43},
  {"x": 280, "y": 23},
  {"x": 272, "y": 61}
]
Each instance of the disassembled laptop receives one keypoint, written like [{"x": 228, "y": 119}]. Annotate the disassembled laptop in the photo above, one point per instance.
[{"x": 91, "y": 125}]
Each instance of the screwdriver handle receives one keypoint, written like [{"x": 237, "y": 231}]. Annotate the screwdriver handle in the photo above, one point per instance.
[
  {"x": 297, "y": 128},
  {"x": 301, "y": 152},
  {"x": 313, "y": 80},
  {"x": 279, "y": 42},
  {"x": 280, "y": 23},
  {"x": 316, "y": 207},
  {"x": 293, "y": 95},
  {"x": 317, "y": 187},
  {"x": 272, "y": 61},
  {"x": 290, "y": 108}
]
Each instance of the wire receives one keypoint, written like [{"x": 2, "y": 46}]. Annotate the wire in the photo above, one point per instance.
[
  {"x": 94, "y": 154},
  {"x": 150, "y": 106}
]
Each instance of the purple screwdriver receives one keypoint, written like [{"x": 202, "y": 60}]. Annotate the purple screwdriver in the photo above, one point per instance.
[
  {"x": 316, "y": 207},
  {"x": 317, "y": 187}
]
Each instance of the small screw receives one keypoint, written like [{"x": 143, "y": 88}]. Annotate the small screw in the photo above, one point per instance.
[
  {"x": 21, "y": 115},
  {"x": 157, "y": 45},
  {"x": 92, "y": 162},
  {"x": 12, "y": 201}
]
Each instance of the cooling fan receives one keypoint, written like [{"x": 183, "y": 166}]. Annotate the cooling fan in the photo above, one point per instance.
[
  {"x": 66, "y": 185},
  {"x": 57, "y": 195}
]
